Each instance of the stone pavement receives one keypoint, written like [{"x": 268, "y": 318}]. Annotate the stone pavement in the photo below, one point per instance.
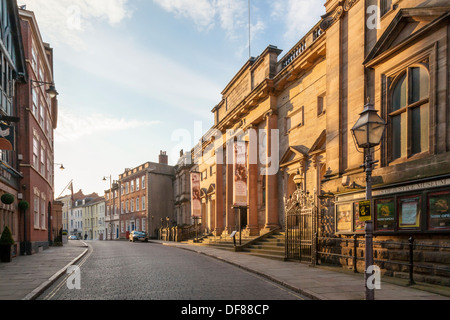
[
  {"x": 318, "y": 283},
  {"x": 27, "y": 276}
]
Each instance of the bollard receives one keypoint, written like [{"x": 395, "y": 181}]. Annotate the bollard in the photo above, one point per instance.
[{"x": 411, "y": 261}]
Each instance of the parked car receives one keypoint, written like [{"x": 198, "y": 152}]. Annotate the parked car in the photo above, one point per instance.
[
  {"x": 73, "y": 238},
  {"x": 138, "y": 235}
]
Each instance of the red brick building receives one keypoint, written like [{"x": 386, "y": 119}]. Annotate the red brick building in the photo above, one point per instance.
[
  {"x": 13, "y": 69},
  {"x": 38, "y": 112}
]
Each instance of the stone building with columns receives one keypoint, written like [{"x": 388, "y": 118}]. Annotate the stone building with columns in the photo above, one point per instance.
[{"x": 296, "y": 113}]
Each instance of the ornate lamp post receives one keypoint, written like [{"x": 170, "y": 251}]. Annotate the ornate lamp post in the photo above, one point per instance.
[{"x": 367, "y": 132}]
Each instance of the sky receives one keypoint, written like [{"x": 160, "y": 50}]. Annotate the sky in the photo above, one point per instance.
[{"x": 136, "y": 77}]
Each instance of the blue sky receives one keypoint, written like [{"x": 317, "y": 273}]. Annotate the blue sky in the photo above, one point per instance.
[{"x": 132, "y": 74}]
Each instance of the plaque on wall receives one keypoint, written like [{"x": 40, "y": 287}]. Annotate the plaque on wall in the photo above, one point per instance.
[
  {"x": 359, "y": 225},
  {"x": 344, "y": 216},
  {"x": 439, "y": 211},
  {"x": 409, "y": 212},
  {"x": 385, "y": 214}
]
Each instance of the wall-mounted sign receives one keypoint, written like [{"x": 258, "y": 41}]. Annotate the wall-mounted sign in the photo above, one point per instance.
[
  {"x": 344, "y": 216},
  {"x": 439, "y": 210},
  {"x": 409, "y": 212},
  {"x": 364, "y": 211},
  {"x": 358, "y": 225},
  {"x": 385, "y": 214}
]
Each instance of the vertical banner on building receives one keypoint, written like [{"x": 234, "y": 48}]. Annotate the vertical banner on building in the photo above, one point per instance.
[
  {"x": 6, "y": 137},
  {"x": 196, "y": 203},
  {"x": 240, "y": 174}
]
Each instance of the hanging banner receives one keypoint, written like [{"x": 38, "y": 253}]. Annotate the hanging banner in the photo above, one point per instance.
[
  {"x": 6, "y": 137},
  {"x": 196, "y": 202},
  {"x": 240, "y": 174}
]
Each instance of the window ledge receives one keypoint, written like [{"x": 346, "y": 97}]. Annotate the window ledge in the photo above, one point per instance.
[{"x": 416, "y": 156}]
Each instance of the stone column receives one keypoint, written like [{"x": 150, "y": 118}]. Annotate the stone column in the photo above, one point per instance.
[
  {"x": 272, "y": 220},
  {"x": 230, "y": 211},
  {"x": 219, "y": 194},
  {"x": 252, "y": 191}
]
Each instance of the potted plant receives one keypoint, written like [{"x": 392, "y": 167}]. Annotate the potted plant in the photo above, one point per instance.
[
  {"x": 24, "y": 205},
  {"x": 6, "y": 243},
  {"x": 7, "y": 198}
]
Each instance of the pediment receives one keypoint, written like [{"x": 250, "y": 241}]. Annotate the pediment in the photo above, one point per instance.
[
  {"x": 294, "y": 154},
  {"x": 407, "y": 26},
  {"x": 320, "y": 144}
]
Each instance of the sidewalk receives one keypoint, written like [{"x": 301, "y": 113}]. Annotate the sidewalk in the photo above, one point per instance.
[
  {"x": 318, "y": 283},
  {"x": 27, "y": 276}
]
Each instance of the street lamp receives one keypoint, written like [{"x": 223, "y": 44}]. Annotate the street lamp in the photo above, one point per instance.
[
  {"x": 61, "y": 166},
  {"x": 298, "y": 179},
  {"x": 51, "y": 89},
  {"x": 367, "y": 133}
]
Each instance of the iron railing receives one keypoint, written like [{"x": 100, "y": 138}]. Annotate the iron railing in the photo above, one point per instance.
[{"x": 410, "y": 264}]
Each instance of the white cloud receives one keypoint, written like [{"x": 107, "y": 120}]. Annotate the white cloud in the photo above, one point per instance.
[
  {"x": 231, "y": 16},
  {"x": 299, "y": 16},
  {"x": 72, "y": 127},
  {"x": 65, "y": 21}
]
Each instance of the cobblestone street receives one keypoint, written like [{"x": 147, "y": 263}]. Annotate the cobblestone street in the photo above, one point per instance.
[{"x": 121, "y": 270}]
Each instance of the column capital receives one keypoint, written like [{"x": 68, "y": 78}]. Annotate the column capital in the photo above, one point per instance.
[{"x": 270, "y": 113}]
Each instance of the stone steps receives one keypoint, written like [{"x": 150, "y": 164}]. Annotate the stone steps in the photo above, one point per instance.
[{"x": 272, "y": 247}]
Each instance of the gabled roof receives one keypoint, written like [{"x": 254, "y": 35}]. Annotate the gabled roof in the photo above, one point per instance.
[{"x": 406, "y": 27}]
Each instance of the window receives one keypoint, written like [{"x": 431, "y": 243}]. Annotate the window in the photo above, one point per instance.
[
  {"x": 127, "y": 187},
  {"x": 295, "y": 120},
  {"x": 43, "y": 224},
  {"x": 137, "y": 184},
  {"x": 143, "y": 182},
  {"x": 143, "y": 224},
  {"x": 132, "y": 186},
  {"x": 35, "y": 102},
  {"x": 409, "y": 113},
  {"x": 42, "y": 161},
  {"x": 137, "y": 225},
  {"x": 137, "y": 204},
  {"x": 385, "y": 6},
  {"x": 36, "y": 212},
  {"x": 126, "y": 206},
  {"x": 143, "y": 203},
  {"x": 131, "y": 205},
  {"x": 34, "y": 58},
  {"x": 321, "y": 105},
  {"x": 35, "y": 153}
]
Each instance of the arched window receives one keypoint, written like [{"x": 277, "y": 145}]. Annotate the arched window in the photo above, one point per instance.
[{"x": 409, "y": 113}]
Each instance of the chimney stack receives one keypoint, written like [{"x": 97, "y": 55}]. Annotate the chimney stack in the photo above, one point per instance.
[{"x": 163, "y": 158}]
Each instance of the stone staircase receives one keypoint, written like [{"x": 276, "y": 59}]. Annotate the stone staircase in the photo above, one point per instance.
[
  {"x": 272, "y": 246},
  {"x": 225, "y": 243}
]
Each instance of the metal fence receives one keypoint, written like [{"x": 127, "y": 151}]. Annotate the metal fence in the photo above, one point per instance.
[{"x": 411, "y": 265}]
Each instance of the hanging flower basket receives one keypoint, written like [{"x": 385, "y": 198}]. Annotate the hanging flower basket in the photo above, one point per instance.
[
  {"x": 7, "y": 198},
  {"x": 24, "y": 205}
]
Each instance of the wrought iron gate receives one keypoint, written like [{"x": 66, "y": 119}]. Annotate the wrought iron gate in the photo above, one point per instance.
[{"x": 300, "y": 227}]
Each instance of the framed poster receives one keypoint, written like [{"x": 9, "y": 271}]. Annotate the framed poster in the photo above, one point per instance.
[
  {"x": 358, "y": 225},
  {"x": 344, "y": 218},
  {"x": 409, "y": 212},
  {"x": 439, "y": 211},
  {"x": 385, "y": 214}
]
